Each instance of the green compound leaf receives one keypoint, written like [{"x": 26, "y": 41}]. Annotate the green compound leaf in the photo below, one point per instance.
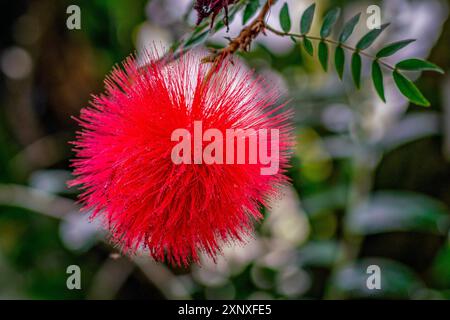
[
  {"x": 377, "y": 77},
  {"x": 307, "y": 44},
  {"x": 370, "y": 37},
  {"x": 418, "y": 65},
  {"x": 349, "y": 28},
  {"x": 250, "y": 10},
  {"x": 307, "y": 19},
  {"x": 392, "y": 48},
  {"x": 323, "y": 55},
  {"x": 285, "y": 19},
  {"x": 356, "y": 69},
  {"x": 409, "y": 90},
  {"x": 329, "y": 21},
  {"x": 339, "y": 61}
]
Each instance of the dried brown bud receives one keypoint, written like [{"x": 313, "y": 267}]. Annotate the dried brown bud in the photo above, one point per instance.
[{"x": 205, "y": 8}]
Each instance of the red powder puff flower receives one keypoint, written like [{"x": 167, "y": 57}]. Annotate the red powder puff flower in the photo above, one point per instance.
[{"x": 150, "y": 200}]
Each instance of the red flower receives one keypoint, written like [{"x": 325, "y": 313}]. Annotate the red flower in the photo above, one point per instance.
[{"x": 125, "y": 167}]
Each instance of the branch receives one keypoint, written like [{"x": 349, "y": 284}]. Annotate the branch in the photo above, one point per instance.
[
  {"x": 258, "y": 25},
  {"x": 242, "y": 41}
]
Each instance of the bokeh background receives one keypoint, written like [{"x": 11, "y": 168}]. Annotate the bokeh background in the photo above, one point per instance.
[{"x": 371, "y": 181}]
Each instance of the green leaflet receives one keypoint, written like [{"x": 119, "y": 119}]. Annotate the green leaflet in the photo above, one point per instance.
[
  {"x": 409, "y": 90},
  {"x": 307, "y": 19},
  {"x": 370, "y": 37},
  {"x": 323, "y": 55},
  {"x": 377, "y": 78},
  {"x": 356, "y": 69},
  {"x": 392, "y": 48},
  {"x": 418, "y": 65},
  {"x": 197, "y": 38},
  {"x": 250, "y": 10},
  {"x": 307, "y": 44},
  {"x": 348, "y": 28},
  {"x": 329, "y": 21},
  {"x": 339, "y": 61},
  {"x": 285, "y": 19}
]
